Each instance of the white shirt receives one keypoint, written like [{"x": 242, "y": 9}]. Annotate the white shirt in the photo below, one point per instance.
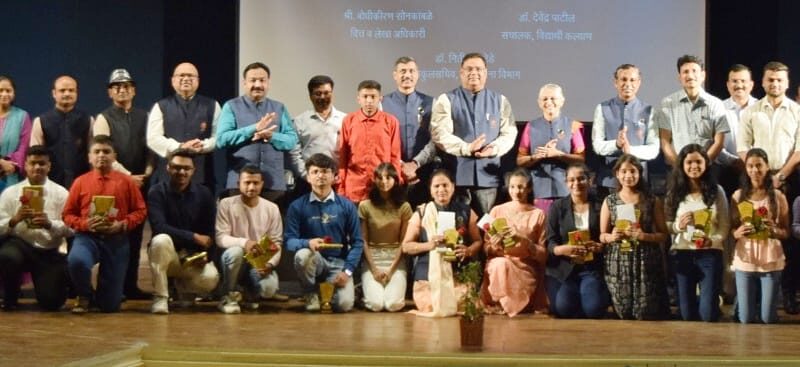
[
  {"x": 733, "y": 112},
  {"x": 607, "y": 145},
  {"x": 162, "y": 145},
  {"x": 776, "y": 130},
  {"x": 444, "y": 138},
  {"x": 55, "y": 196},
  {"x": 315, "y": 135},
  {"x": 719, "y": 222}
]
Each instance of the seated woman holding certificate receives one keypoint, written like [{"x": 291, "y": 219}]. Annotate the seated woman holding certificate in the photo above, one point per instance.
[
  {"x": 384, "y": 217},
  {"x": 698, "y": 218},
  {"x": 760, "y": 222},
  {"x": 575, "y": 282},
  {"x": 632, "y": 228},
  {"x": 441, "y": 235},
  {"x": 516, "y": 252}
]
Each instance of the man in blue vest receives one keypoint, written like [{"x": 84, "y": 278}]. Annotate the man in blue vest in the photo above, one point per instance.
[
  {"x": 412, "y": 109},
  {"x": 623, "y": 124},
  {"x": 126, "y": 125},
  {"x": 257, "y": 130},
  {"x": 184, "y": 120},
  {"x": 474, "y": 126},
  {"x": 64, "y": 130}
]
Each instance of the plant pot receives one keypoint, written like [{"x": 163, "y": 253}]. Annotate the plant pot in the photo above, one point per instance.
[{"x": 471, "y": 333}]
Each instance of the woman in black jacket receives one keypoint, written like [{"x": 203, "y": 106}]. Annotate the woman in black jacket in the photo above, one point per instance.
[{"x": 574, "y": 271}]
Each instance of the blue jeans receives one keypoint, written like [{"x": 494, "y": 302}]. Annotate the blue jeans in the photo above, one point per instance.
[
  {"x": 747, "y": 291},
  {"x": 112, "y": 253},
  {"x": 582, "y": 294},
  {"x": 312, "y": 268},
  {"x": 693, "y": 267},
  {"x": 255, "y": 284}
]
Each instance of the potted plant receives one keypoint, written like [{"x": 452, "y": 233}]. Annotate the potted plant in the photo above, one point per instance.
[{"x": 471, "y": 322}]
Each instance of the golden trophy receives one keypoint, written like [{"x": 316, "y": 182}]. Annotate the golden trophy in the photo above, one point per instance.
[{"x": 326, "y": 295}]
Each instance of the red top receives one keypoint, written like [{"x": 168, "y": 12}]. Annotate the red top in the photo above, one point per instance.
[
  {"x": 364, "y": 143},
  {"x": 128, "y": 199}
]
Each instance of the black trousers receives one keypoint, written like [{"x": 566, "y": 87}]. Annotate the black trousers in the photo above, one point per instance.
[
  {"x": 132, "y": 274},
  {"x": 48, "y": 267}
]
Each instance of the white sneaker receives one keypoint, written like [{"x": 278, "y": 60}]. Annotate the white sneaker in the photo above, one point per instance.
[
  {"x": 230, "y": 303},
  {"x": 160, "y": 305},
  {"x": 312, "y": 302}
]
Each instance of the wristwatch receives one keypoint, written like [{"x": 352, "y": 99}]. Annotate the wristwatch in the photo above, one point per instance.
[
  {"x": 781, "y": 177},
  {"x": 348, "y": 272}
]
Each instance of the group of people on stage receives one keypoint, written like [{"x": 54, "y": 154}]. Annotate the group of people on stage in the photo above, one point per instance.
[{"x": 368, "y": 197}]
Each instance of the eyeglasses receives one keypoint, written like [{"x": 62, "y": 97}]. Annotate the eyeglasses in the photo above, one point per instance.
[
  {"x": 118, "y": 87},
  {"x": 179, "y": 168},
  {"x": 185, "y": 76}
]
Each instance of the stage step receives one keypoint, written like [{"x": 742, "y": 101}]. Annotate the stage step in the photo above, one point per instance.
[{"x": 153, "y": 356}]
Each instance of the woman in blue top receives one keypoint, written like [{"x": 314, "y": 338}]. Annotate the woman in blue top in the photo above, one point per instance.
[
  {"x": 420, "y": 242},
  {"x": 15, "y": 134}
]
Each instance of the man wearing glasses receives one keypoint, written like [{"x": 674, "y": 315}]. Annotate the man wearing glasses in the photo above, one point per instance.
[
  {"x": 182, "y": 215},
  {"x": 184, "y": 120},
  {"x": 126, "y": 125}
]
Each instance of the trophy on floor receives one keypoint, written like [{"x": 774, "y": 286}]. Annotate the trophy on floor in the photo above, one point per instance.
[{"x": 326, "y": 295}]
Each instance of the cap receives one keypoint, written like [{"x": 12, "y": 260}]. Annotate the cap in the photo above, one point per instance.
[{"x": 119, "y": 76}]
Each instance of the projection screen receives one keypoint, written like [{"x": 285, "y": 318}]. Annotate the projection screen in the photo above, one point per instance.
[{"x": 576, "y": 44}]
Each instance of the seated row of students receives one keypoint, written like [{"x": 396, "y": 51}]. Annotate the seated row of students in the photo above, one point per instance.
[
  {"x": 538, "y": 265},
  {"x": 628, "y": 268}
]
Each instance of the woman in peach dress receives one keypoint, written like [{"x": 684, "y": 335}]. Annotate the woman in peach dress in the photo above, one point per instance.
[{"x": 514, "y": 276}]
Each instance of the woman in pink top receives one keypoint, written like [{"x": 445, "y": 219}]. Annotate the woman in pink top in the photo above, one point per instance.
[
  {"x": 514, "y": 280},
  {"x": 758, "y": 257}
]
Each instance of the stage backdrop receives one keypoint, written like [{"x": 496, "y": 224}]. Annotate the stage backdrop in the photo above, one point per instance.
[{"x": 574, "y": 43}]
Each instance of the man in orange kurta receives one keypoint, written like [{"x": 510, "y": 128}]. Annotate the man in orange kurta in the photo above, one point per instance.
[{"x": 368, "y": 138}]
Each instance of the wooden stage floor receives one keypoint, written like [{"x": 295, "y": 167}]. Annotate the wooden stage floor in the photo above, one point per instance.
[{"x": 32, "y": 338}]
